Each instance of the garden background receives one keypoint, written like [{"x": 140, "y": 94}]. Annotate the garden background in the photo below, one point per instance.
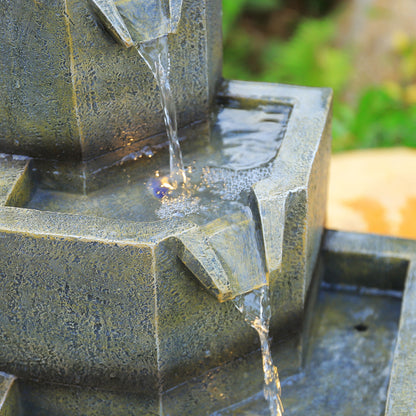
[{"x": 364, "y": 49}]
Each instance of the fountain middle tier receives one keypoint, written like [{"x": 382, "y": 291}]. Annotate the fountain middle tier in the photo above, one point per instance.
[
  {"x": 222, "y": 162},
  {"x": 130, "y": 315},
  {"x": 221, "y": 171}
]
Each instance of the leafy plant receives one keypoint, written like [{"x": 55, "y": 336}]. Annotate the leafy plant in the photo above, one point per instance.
[
  {"x": 379, "y": 120},
  {"x": 383, "y": 115},
  {"x": 232, "y": 9},
  {"x": 309, "y": 58}
]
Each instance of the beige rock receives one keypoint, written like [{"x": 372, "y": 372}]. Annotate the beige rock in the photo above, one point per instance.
[{"x": 373, "y": 191}]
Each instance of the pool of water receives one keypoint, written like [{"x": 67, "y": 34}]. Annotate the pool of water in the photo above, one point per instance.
[
  {"x": 243, "y": 141},
  {"x": 346, "y": 368}
]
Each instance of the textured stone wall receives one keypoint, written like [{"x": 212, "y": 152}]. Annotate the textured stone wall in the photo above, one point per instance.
[{"x": 69, "y": 91}]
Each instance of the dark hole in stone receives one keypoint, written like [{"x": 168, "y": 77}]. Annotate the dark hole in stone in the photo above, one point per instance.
[{"x": 361, "y": 327}]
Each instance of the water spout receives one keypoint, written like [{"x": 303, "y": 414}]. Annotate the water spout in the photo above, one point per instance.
[
  {"x": 108, "y": 14},
  {"x": 209, "y": 252},
  {"x": 146, "y": 24},
  {"x": 138, "y": 21}
]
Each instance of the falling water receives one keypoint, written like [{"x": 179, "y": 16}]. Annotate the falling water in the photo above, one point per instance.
[
  {"x": 228, "y": 183},
  {"x": 255, "y": 307},
  {"x": 156, "y": 55},
  {"x": 150, "y": 37}
]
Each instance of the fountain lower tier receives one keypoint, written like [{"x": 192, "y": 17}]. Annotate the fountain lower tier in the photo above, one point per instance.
[
  {"x": 127, "y": 306},
  {"x": 359, "y": 359}
]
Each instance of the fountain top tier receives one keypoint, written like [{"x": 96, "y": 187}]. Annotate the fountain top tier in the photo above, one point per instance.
[{"x": 69, "y": 92}]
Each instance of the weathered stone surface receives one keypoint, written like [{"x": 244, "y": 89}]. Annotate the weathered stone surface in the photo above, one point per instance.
[
  {"x": 60, "y": 400},
  {"x": 69, "y": 91},
  {"x": 224, "y": 256},
  {"x": 350, "y": 259},
  {"x": 77, "y": 313},
  {"x": 291, "y": 203},
  {"x": 108, "y": 304},
  {"x": 109, "y": 16},
  {"x": 338, "y": 354}
]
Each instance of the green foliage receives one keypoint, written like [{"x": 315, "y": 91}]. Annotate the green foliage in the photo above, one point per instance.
[
  {"x": 385, "y": 115},
  {"x": 232, "y": 9},
  {"x": 309, "y": 58},
  {"x": 236, "y": 64},
  {"x": 379, "y": 120},
  {"x": 382, "y": 116}
]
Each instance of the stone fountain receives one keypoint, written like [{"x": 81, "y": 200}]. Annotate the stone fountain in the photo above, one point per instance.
[{"x": 111, "y": 314}]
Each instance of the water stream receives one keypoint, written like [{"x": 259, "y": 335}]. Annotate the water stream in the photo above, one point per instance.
[
  {"x": 255, "y": 306},
  {"x": 243, "y": 143},
  {"x": 256, "y": 309},
  {"x": 156, "y": 55}
]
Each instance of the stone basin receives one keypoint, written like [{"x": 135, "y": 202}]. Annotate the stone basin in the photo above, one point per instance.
[
  {"x": 108, "y": 303},
  {"x": 359, "y": 356},
  {"x": 359, "y": 341}
]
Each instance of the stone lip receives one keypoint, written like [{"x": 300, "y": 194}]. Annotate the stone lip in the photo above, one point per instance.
[
  {"x": 109, "y": 304},
  {"x": 14, "y": 180},
  {"x": 9, "y": 396}
]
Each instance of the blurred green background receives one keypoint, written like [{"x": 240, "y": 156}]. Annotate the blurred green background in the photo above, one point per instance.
[{"x": 360, "y": 48}]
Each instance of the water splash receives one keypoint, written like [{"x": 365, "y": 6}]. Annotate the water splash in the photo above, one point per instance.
[
  {"x": 156, "y": 55},
  {"x": 256, "y": 309}
]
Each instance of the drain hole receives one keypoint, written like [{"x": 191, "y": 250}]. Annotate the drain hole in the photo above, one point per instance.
[{"x": 361, "y": 327}]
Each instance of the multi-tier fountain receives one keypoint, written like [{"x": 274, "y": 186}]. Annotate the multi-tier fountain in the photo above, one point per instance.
[{"x": 114, "y": 296}]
